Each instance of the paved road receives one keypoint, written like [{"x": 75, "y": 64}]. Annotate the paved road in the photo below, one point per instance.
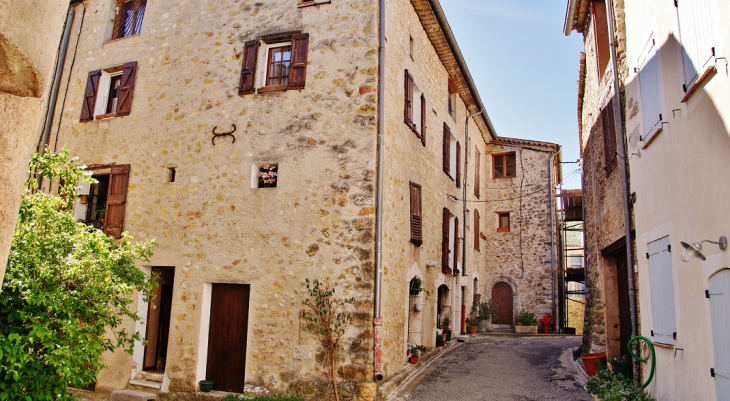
[{"x": 502, "y": 368}]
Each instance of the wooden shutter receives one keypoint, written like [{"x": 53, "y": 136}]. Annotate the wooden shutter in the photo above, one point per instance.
[
  {"x": 458, "y": 165},
  {"x": 649, "y": 82},
  {"x": 423, "y": 119},
  {"x": 476, "y": 229},
  {"x": 609, "y": 137},
  {"x": 477, "y": 170},
  {"x": 719, "y": 293},
  {"x": 92, "y": 87},
  {"x": 248, "y": 69},
  {"x": 447, "y": 150},
  {"x": 445, "y": 268},
  {"x": 116, "y": 201},
  {"x": 408, "y": 112},
  {"x": 662, "y": 291},
  {"x": 456, "y": 245},
  {"x": 126, "y": 89},
  {"x": 299, "y": 52},
  {"x": 416, "y": 215},
  {"x": 695, "y": 27}
]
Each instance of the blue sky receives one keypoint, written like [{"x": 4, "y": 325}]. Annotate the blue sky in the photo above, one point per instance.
[{"x": 525, "y": 68}]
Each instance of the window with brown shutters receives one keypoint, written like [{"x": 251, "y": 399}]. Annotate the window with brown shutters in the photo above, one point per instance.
[
  {"x": 446, "y": 242},
  {"x": 458, "y": 165},
  {"x": 477, "y": 230},
  {"x": 274, "y": 63},
  {"x": 504, "y": 165},
  {"x": 107, "y": 199},
  {"x": 477, "y": 172},
  {"x": 109, "y": 92},
  {"x": 408, "y": 105},
  {"x": 129, "y": 16},
  {"x": 416, "y": 215},
  {"x": 447, "y": 150},
  {"x": 609, "y": 138},
  {"x": 423, "y": 119}
]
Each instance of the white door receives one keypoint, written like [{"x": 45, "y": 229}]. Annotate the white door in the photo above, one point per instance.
[{"x": 720, "y": 308}]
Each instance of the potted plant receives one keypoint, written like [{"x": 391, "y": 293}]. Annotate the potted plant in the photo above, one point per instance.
[
  {"x": 268, "y": 174},
  {"x": 445, "y": 326},
  {"x": 416, "y": 351},
  {"x": 206, "y": 385},
  {"x": 526, "y": 323},
  {"x": 440, "y": 340},
  {"x": 471, "y": 325},
  {"x": 485, "y": 312},
  {"x": 416, "y": 285},
  {"x": 477, "y": 297}
]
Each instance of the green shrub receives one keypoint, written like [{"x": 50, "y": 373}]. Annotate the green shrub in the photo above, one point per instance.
[
  {"x": 610, "y": 386},
  {"x": 526, "y": 319}
]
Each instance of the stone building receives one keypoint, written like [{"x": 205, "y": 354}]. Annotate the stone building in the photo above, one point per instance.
[
  {"x": 26, "y": 77},
  {"x": 247, "y": 138},
  {"x": 608, "y": 321},
  {"x": 520, "y": 224}
]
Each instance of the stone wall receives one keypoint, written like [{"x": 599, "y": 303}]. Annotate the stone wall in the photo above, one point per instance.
[{"x": 26, "y": 71}]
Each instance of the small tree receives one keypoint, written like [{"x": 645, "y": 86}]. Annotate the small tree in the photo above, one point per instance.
[
  {"x": 328, "y": 320},
  {"x": 66, "y": 287}
]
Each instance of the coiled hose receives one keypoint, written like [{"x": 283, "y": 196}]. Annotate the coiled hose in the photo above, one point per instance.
[{"x": 640, "y": 359}]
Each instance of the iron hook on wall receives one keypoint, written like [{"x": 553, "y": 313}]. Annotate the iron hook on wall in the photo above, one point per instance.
[{"x": 223, "y": 134}]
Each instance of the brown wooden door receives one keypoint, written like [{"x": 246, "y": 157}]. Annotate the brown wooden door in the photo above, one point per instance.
[
  {"x": 227, "y": 336},
  {"x": 502, "y": 296}
]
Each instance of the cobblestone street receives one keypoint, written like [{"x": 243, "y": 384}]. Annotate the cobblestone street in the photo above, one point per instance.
[{"x": 501, "y": 368}]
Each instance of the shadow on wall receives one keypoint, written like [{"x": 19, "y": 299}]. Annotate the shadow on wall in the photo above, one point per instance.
[{"x": 18, "y": 75}]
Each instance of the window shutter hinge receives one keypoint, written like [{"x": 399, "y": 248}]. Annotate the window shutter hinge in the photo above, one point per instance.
[
  {"x": 713, "y": 51},
  {"x": 647, "y": 255},
  {"x": 712, "y": 372},
  {"x": 674, "y": 335},
  {"x": 660, "y": 117},
  {"x": 684, "y": 88},
  {"x": 707, "y": 294},
  {"x": 652, "y": 333},
  {"x": 669, "y": 248},
  {"x": 676, "y": 3}
]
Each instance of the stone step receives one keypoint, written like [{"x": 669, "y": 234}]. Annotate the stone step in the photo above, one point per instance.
[
  {"x": 149, "y": 376},
  {"x": 145, "y": 385},
  {"x": 132, "y": 395}
]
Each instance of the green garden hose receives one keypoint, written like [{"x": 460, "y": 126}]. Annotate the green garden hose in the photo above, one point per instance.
[{"x": 640, "y": 359}]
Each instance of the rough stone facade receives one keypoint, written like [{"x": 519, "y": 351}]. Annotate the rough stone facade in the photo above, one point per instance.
[
  {"x": 26, "y": 71},
  {"x": 523, "y": 255}
]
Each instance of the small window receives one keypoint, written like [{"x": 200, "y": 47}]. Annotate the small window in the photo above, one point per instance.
[
  {"x": 450, "y": 243},
  {"x": 171, "y": 173},
  {"x": 274, "y": 63},
  {"x": 503, "y": 219},
  {"x": 410, "y": 47},
  {"x": 265, "y": 175},
  {"x": 109, "y": 92},
  {"x": 477, "y": 171},
  {"x": 453, "y": 96},
  {"x": 504, "y": 165},
  {"x": 451, "y": 156},
  {"x": 102, "y": 205},
  {"x": 415, "y": 108},
  {"x": 416, "y": 215},
  {"x": 129, "y": 17}
]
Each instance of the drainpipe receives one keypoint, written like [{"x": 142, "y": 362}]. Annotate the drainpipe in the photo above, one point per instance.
[
  {"x": 623, "y": 160},
  {"x": 552, "y": 235},
  {"x": 57, "y": 81},
  {"x": 377, "y": 320}
]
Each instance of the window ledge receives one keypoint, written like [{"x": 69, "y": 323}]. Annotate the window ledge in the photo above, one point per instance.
[
  {"x": 303, "y": 4},
  {"x": 118, "y": 39},
  {"x": 503, "y": 230},
  {"x": 660, "y": 345},
  {"x": 416, "y": 242},
  {"x": 709, "y": 73},
  {"x": 271, "y": 88},
  {"x": 105, "y": 116},
  {"x": 651, "y": 138},
  {"x": 501, "y": 178}
]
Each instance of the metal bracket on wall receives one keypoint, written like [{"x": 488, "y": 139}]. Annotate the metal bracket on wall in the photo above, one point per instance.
[{"x": 223, "y": 134}]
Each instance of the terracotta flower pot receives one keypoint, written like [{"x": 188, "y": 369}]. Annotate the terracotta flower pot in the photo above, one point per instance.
[
  {"x": 413, "y": 359},
  {"x": 472, "y": 329},
  {"x": 593, "y": 361}
]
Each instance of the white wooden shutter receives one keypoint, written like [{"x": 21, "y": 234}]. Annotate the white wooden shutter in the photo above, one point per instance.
[
  {"x": 719, "y": 293},
  {"x": 695, "y": 28},
  {"x": 650, "y": 99},
  {"x": 662, "y": 291}
]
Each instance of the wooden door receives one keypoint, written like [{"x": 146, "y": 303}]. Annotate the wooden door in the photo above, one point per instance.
[
  {"x": 227, "y": 336},
  {"x": 720, "y": 308},
  {"x": 502, "y": 296}
]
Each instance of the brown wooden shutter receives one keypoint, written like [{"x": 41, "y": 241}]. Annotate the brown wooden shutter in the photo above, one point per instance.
[
  {"x": 609, "y": 137},
  {"x": 423, "y": 120},
  {"x": 92, "y": 86},
  {"x": 458, "y": 165},
  {"x": 476, "y": 229},
  {"x": 477, "y": 170},
  {"x": 299, "y": 52},
  {"x": 447, "y": 150},
  {"x": 116, "y": 201},
  {"x": 408, "y": 99},
  {"x": 126, "y": 89},
  {"x": 248, "y": 68},
  {"x": 445, "y": 268},
  {"x": 456, "y": 245},
  {"x": 416, "y": 215}
]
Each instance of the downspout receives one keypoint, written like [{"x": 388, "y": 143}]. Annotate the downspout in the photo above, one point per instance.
[
  {"x": 57, "y": 81},
  {"x": 623, "y": 160},
  {"x": 552, "y": 234},
  {"x": 377, "y": 320}
]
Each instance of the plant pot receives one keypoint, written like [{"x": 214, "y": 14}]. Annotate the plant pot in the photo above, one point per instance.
[
  {"x": 484, "y": 325},
  {"x": 413, "y": 359},
  {"x": 525, "y": 329},
  {"x": 440, "y": 340},
  {"x": 593, "y": 361},
  {"x": 206, "y": 385},
  {"x": 472, "y": 329},
  {"x": 84, "y": 199},
  {"x": 414, "y": 292},
  {"x": 447, "y": 333},
  {"x": 418, "y": 307},
  {"x": 477, "y": 297}
]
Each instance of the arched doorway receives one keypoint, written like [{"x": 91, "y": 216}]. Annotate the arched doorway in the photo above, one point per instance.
[
  {"x": 502, "y": 296},
  {"x": 443, "y": 306}
]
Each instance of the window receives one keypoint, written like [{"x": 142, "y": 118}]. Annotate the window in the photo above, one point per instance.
[
  {"x": 451, "y": 156},
  {"x": 109, "y": 92},
  {"x": 415, "y": 108},
  {"x": 416, "y": 215},
  {"x": 274, "y": 63},
  {"x": 609, "y": 137},
  {"x": 504, "y": 165},
  {"x": 102, "y": 205},
  {"x": 410, "y": 47},
  {"x": 477, "y": 170},
  {"x": 129, "y": 17},
  {"x": 265, "y": 175},
  {"x": 698, "y": 51},
  {"x": 477, "y": 230},
  {"x": 649, "y": 81},
  {"x": 662, "y": 291},
  {"x": 576, "y": 261},
  {"x": 453, "y": 96},
  {"x": 450, "y": 243},
  {"x": 600, "y": 33},
  {"x": 304, "y": 3},
  {"x": 503, "y": 221}
]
